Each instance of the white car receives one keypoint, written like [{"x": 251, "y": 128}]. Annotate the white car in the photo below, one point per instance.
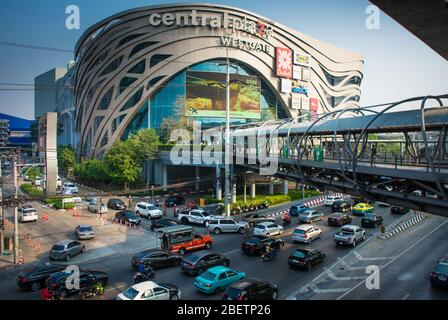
[
  {"x": 267, "y": 229},
  {"x": 306, "y": 233},
  {"x": 93, "y": 207},
  {"x": 70, "y": 188},
  {"x": 330, "y": 199},
  {"x": 150, "y": 290},
  {"x": 28, "y": 213},
  {"x": 197, "y": 216},
  {"x": 147, "y": 210}
]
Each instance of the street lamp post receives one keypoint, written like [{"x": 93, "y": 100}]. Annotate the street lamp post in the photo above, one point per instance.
[{"x": 227, "y": 143}]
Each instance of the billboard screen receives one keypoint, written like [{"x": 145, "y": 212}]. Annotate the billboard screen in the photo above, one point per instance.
[{"x": 206, "y": 95}]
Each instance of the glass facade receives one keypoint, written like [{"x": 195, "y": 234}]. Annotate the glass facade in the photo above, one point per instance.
[{"x": 168, "y": 102}]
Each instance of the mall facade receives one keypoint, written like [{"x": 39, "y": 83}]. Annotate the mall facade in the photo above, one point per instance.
[{"x": 142, "y": 66}]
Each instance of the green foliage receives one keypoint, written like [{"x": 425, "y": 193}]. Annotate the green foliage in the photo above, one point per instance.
[
  {"x": 32, "y": 191},
  {"x": 68, "y": 205},
  {"x": 92, "y": 170},
  {"x": 121, "y": 167},
  {"x": 33, "y": 173},
  {"x": 66, "y": 158},
  {"x": 143, "y": 145},
  {"x": 293, "y": 195}
]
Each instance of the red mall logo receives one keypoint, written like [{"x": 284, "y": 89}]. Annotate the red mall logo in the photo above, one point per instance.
[
  {"x": 314, "y": 104},
  {"x": 284, "y": 62}
]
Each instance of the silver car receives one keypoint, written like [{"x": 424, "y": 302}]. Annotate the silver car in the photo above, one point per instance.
[
  {"x": 84, "y": 232},
  {"x": 66, "y": 249},
  {"x": 310, "y": 216},
  {"x": 218, "y": 225}
]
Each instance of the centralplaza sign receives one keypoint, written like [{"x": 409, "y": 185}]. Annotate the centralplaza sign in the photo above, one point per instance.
[{"x": 213, "y": 21}]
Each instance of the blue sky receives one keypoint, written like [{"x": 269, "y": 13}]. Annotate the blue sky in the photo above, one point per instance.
[{"x": 397, "y": 64}]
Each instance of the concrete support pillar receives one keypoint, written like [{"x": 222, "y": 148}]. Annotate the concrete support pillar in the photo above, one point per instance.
[
  {"x": 252, "y": 190},
  {"x": 218, "y": 183},
  {"x": 164, "y": 177},
  {"x": 233, "y": 193},
  {"x": 245, "y": 191},
  {"x": 271, "y": 187},
  {"x": 197, "y": 178},
  {"x": 298, "y": 186},
  {"x": 285, "y": 187}
]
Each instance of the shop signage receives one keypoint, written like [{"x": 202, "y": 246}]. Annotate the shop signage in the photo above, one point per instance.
[
  {"x": 314, "y": 104},
  {"x": 284, "y": 62},
  {"x": 297, "y": 87},
  {"x": 296, "y": 101},
  {"x": 302, "y": 59},
  {"x": 285, "y": 86},
  {"x": 214, "y": 21},
  {"x": 306, "y": 74},
  {"x": 296, "y": 72},
  {"x": 245, "y": 44}
]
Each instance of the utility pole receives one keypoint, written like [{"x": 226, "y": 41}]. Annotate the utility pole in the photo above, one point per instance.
[
  {"x": 227, "y": 145},
  {"x": 2, "y": 218},
  {"x": 16, "y": 222}
]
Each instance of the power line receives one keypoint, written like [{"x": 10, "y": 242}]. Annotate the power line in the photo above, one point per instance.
[{"x": 28, "y": 46}]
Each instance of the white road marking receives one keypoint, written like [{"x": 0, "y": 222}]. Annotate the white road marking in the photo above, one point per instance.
[
  {"x": 334, "y": 277},
  {"x": 393, "y": 260},
  {"x": 349, "y": 267},
  {"x": 231, "y": 251},
  {"x": 335, "y": 290},
  {"x": 361, "y": 258},
  {"x": 405, "y": 297}
]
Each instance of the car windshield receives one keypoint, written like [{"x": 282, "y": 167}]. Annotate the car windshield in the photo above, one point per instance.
[
  {"x": 234, "y": 293},
  {"x": 253, "y": 241},
  {"x": 85, "y": 229},
  {"x": 261, "y": 227},
  {"x": 130, "y": 215},
  {"x": 29, "y": 210},
  {"x": 299, "y": 231},
  {"x": 298, "y": 254},
  {"x": 130, "y": 293},
  {"x": 346, "y": 232},
  {"x": 58, "y": 247},
  {"x": 207, "y": 275},
  {"x": 442, "y": 268},
  {"x": 152, "y": 208},
  {"x": 205, "y": 213}
]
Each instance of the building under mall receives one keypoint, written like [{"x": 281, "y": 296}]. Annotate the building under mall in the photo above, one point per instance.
[{"x": 140, "y": 67}]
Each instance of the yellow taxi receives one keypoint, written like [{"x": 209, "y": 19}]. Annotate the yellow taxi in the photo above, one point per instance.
[{"x": 361, "y": 209}]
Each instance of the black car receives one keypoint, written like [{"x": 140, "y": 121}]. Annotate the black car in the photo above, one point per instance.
[
  {"x": 339, "y": 219},
  {"x": 306, "y": 258},
  {"x": 163, "y": 223},
  {"x": 197, "y": 263},
  {"x": 35, "y": 278},
  {"x": 439, "y": 276},
  {"x": 128, "y": 217},
  {"x": 155, "y": 259},
  {"x": 116, "y": 204},
  {"x": 251, "y": 289},
  {"x": 258, "y": 245},
  {"x": 371, "y": 221},
  {"x": 174, "y": 200},
  {"x": 398, "y": 210},
  {"x": 341, "y": 206},
  {"x": 58, "y": 281}
]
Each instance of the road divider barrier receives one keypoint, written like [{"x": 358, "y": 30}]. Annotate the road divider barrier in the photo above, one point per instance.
[{"x": 401, "y": 225}]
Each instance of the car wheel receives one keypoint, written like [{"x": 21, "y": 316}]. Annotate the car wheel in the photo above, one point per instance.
[
  {"x": 281, "y": 245},
  {"x": 216, "y": 231},
  {"x": 67, "y": 258},
  {"x": 364, "y": 237},
  {"x": 227, "y": 263},
  {"x": 184, "y": 220},
  {"x": 241, "y": 230},
  {"x": 268, "y": 235},
  {"x": 275, "y": 295},
  {"x": 280, "y": 231},
  {"x": 182, "y": 251},
  {"x": 308, "y": 266},
  {"x": 35, "y": 286},
  {"x": 218, "y": 290},
  {"x": 174, "y": 297},
  {"x": 251, "y": 224},
  {"x": 354, "y": 243},
  {"x": 208, "y": 245},
  {"x": 320, "y": 235}
]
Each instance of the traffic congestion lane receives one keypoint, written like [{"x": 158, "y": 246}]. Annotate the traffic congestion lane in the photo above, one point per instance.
[{"x": 229, "y": 244}]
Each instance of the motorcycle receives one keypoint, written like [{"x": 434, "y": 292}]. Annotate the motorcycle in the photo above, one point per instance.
[
  {"x": 286, "y": 220},
  {"x": 269, "y": 257},
  {"x": 93, "y": 291},
  {"x": 141, "y": 277},
  {"x": 264, "y": 205}
]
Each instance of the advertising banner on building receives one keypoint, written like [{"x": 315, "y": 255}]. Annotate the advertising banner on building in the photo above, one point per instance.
[
  {"x": 306, "y": 74},
  {"x": 302, "y": 59},
  {"x": 297, "y": 87},
  {"x": 285, "y": 86},
  {"x": 314, "y": 104},
  {"x": 296, "y": 101},
  {"x": 206, "y": 95},
  {"x": 284, "y": 62},
  {"x": 305, "y": 103},
  {"x": 297, "y": 73}
]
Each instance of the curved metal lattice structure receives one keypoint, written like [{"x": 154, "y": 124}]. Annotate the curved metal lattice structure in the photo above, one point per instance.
[{"x": 396, "y": 157}]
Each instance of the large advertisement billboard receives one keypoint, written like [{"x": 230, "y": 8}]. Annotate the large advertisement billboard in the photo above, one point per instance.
[{"x": 206, "y": 95}]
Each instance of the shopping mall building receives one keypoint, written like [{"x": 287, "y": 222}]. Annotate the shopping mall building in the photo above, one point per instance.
[{"x": 140, "y": 67}]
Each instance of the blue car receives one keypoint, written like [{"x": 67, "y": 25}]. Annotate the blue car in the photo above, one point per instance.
[
  {"x": 217, "y": 279},
  {"x": 294, "y": 211}
]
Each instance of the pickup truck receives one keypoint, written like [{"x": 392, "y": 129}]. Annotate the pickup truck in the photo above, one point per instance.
[
  {"x": 196, "y": 216},
  {"x": 349, "y": 235}
]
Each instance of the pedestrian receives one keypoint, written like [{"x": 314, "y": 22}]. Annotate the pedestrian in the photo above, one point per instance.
[
  {"x": 373, "y": 154},
  {"x": 175, "y": 210},
  {"x": 164, "y": 210},
  {"x": 130, "y": 201}
]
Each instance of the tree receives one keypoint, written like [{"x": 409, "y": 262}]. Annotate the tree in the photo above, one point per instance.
[
  {"x": 92, "y": 170},
  {"x": 66, "y": 158},
  {"x": 143, "y": 145},
  {"x": 120, "y": 165}
]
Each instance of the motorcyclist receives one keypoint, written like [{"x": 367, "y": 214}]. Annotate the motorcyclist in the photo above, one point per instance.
[
  {"x": 286, "y": 219},
  {"x": 268, "y": 251},
  {"x": 146, "y": 271}
]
